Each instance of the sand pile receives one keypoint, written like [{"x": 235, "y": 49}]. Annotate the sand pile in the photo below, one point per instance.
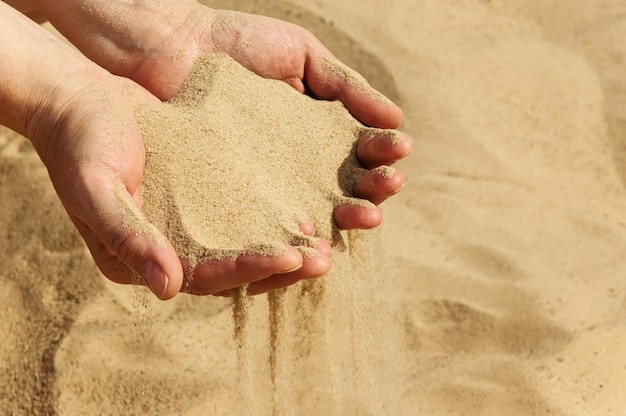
[{"x": 235, "y": 162}]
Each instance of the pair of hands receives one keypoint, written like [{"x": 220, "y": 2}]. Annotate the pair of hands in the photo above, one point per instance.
[{"x": 92, "y": 147}]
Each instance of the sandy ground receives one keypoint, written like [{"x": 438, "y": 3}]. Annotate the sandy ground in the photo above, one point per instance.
[{"x": 495, "y": 287}]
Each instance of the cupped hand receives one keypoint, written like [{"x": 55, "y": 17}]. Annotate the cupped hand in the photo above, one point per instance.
[
  {"x": 95, "y": 157},
  {"x": 156, "y": 46},
  {"x": 279, "y": 50}
]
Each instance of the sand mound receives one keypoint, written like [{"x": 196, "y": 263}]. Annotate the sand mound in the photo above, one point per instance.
[{"x": 234, "y": 148}]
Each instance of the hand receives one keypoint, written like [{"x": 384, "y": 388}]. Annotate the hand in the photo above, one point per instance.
[
  {"x": 95, "y": 156},
  {"x": 80, "y": 120},
  {"x": 279, "y": 50},
  {"x": 156, "y": 45},
  {"x": 159, "y": 57}
]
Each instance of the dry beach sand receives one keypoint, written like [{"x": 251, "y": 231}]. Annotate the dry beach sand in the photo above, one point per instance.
[{"x": 495, "y": 287}]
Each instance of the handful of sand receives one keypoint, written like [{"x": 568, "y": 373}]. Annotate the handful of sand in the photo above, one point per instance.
[{"x": 235, "y": 162}]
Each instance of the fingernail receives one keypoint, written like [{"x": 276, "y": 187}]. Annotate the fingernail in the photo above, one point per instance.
[
  {"x": 293, "y": 269},
  {"x": 156, "y": 279}
]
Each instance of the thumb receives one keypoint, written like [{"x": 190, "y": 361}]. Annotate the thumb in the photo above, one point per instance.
[{"x": 127, "y": 247}]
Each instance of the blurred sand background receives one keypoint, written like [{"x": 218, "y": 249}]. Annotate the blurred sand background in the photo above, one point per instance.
[{"x": 497, "y": 285}]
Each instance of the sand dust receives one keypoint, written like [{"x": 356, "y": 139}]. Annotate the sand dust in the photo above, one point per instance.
[{"x": 496, "y": 285}]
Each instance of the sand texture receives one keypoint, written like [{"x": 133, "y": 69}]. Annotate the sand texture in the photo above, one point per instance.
[
  {"x": 496, "y": 285},
  {"x": 234, "y": 148}
]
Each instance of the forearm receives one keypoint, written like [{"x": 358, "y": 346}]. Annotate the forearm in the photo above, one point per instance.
[{"x": 34, "y": 68}]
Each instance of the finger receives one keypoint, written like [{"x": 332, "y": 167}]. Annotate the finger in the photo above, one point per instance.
[
  {"x": 214, "y": 276},
  {"x": 330, "y": 79},
  {"x": 120, "y": 231},
  {"x": 379, "y": 184},
  {"x": 307, "y": 227},
  {"x": 378, "y": 147},
  {"x": 324, "y": 247},
  {"x": 350, "y": 217},
  {"x": 316, "y": 264},
  {"x": 107, "y": 262},
  {"x": 313, "y": 267}
]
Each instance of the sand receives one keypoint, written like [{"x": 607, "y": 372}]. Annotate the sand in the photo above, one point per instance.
[
  {"x": 234, "y": 148},
  {"x": 494, "y": 287}
]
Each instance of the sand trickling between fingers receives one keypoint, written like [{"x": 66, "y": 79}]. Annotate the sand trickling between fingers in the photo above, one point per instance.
[{"x": 235, "y": 162}]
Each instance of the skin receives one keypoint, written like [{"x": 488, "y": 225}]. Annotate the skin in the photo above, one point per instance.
[{"x": 78, "y": 113}]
